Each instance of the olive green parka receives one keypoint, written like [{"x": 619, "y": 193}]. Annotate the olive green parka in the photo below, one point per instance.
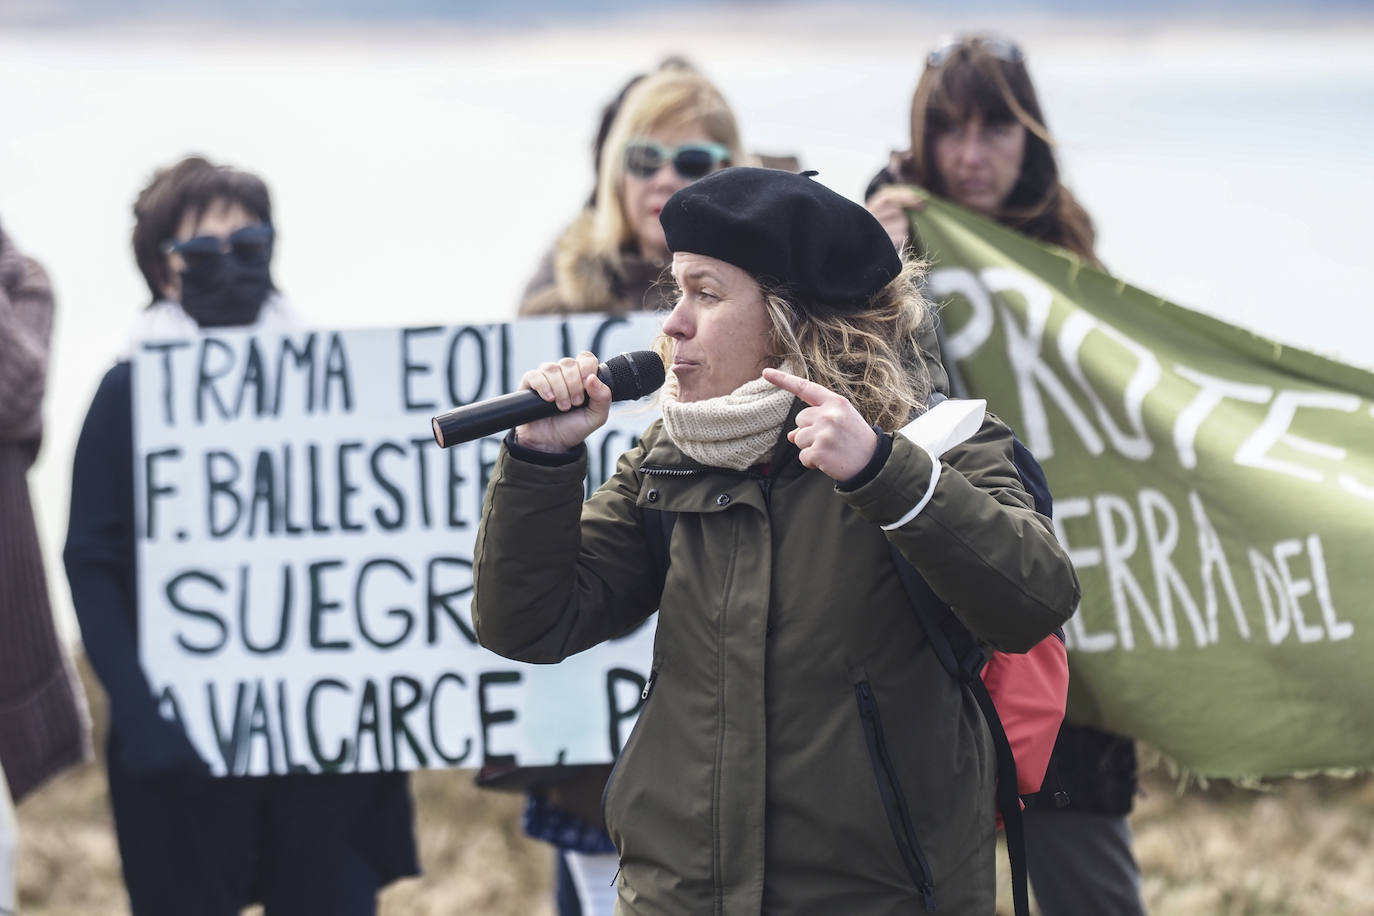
[{"x": 801, "y": 750}]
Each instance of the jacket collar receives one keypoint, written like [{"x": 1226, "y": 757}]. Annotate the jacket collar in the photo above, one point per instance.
[{"x": 786, "y": 460}]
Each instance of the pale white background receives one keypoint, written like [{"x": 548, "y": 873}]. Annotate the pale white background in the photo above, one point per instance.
[{"x": 420, "y": 172}]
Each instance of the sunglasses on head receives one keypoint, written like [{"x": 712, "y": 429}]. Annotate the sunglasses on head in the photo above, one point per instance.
[
  {"x": 249, "y": 245},
  {"x": 1004, "y": 49},
  {"x": 643, "y": 158}
]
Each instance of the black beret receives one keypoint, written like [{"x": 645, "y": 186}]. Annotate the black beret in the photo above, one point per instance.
[{"x": 784, "y": 229}]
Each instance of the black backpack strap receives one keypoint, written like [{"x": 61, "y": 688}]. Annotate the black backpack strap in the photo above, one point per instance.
[
  {"x": 959, "y": 653},
  {"x": 1032, "y": 477},
  {"x": 1008, "y": 799},
  {"x": 963, "y": 658}
]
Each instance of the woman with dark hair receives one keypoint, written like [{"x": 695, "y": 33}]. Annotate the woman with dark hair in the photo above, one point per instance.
[
  {"x": 979, "y": 139},
  {"x": 190, "y": 843},
  {"x": 797, "y": 451}
]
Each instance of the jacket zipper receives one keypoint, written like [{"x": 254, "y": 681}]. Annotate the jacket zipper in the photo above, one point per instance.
[
  {"x": 615, "y": 767},
  {"x": 766, "y": 485},
  {"x": 894, "y": 802},
  {"x": 655, "y": 470},
  {"x": 669, "y": 472},
  {"x": 660, "y": 471}
]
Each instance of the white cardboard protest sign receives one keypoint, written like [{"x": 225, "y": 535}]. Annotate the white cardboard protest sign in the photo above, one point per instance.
[{"x": 305, "y": 551}]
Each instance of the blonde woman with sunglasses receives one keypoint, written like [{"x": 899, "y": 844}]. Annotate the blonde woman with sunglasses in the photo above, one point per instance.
[
  {"x": 673, "y": 128},
  {"x": 979, "y": 139}
]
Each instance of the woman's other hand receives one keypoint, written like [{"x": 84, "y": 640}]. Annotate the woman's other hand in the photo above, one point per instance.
[
  {"x": 831, "y": 434},
  {"x": 568, "y": 383},
  {"x": 890, "y": 206}
]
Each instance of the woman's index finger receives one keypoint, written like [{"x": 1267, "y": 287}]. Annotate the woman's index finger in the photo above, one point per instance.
[{"x": 809, "y": 392}]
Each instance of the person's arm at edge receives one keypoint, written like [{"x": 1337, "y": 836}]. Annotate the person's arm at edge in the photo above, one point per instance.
[
  {"x": 26, "y": 317},
  {"x": 100, "y": 561}
]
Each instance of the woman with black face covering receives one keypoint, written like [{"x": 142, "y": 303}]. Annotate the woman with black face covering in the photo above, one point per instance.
[
  {"x": 203, "y": 239},
  {"x": 189, "y": 843}
]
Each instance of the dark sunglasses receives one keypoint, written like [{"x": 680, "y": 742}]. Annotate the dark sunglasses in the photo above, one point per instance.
[
  {"x": 1004, "y": 49},
  {"x": 643, "y": 158},
  {"x": 249, "y": 245}
]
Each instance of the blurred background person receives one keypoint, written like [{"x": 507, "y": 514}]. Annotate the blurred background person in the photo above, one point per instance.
[
  {"x": 43, "y": 726},
  {"x": 663, "y": 131},
  {"x": 610, "y": 256},
  {"x": 612, "y": 108},
  {"x": 979, "y": 139},
  {"x": 190, "y": 843}
]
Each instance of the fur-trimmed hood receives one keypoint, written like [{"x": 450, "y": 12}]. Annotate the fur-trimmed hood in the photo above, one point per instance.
[{"x": 574, "y": 277}]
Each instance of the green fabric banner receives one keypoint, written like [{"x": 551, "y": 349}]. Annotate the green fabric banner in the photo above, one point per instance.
[{"x": 1215, "y": 491}]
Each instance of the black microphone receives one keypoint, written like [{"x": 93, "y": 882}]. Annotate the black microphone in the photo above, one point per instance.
[{"x": 630, "y": 376}]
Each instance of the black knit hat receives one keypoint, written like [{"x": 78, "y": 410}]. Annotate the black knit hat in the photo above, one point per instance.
[{"x": 784, "y": 229}]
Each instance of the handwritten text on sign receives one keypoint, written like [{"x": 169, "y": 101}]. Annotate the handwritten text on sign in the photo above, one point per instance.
[{"x": 305, "y": 552}]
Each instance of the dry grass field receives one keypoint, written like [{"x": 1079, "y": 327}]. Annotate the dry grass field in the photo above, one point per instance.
[{"x": 1300, "y": 848}]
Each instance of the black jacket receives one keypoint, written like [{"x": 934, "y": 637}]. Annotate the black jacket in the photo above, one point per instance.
[{"x": 155, "y": 774}]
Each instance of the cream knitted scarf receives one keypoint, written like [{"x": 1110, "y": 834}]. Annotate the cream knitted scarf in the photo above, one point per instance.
[{"x": 735, "y": 431}]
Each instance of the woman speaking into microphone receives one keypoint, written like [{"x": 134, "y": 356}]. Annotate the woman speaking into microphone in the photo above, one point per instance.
[{"x": 795, "y": 446}]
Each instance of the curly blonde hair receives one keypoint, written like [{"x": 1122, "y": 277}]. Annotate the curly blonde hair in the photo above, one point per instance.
[{"x": 871, "y": 354}]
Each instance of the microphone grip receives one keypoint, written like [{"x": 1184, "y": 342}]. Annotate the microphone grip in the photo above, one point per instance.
[
  {"x": 463, "y": 424},
  {"x": 629, "y": 376}
]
